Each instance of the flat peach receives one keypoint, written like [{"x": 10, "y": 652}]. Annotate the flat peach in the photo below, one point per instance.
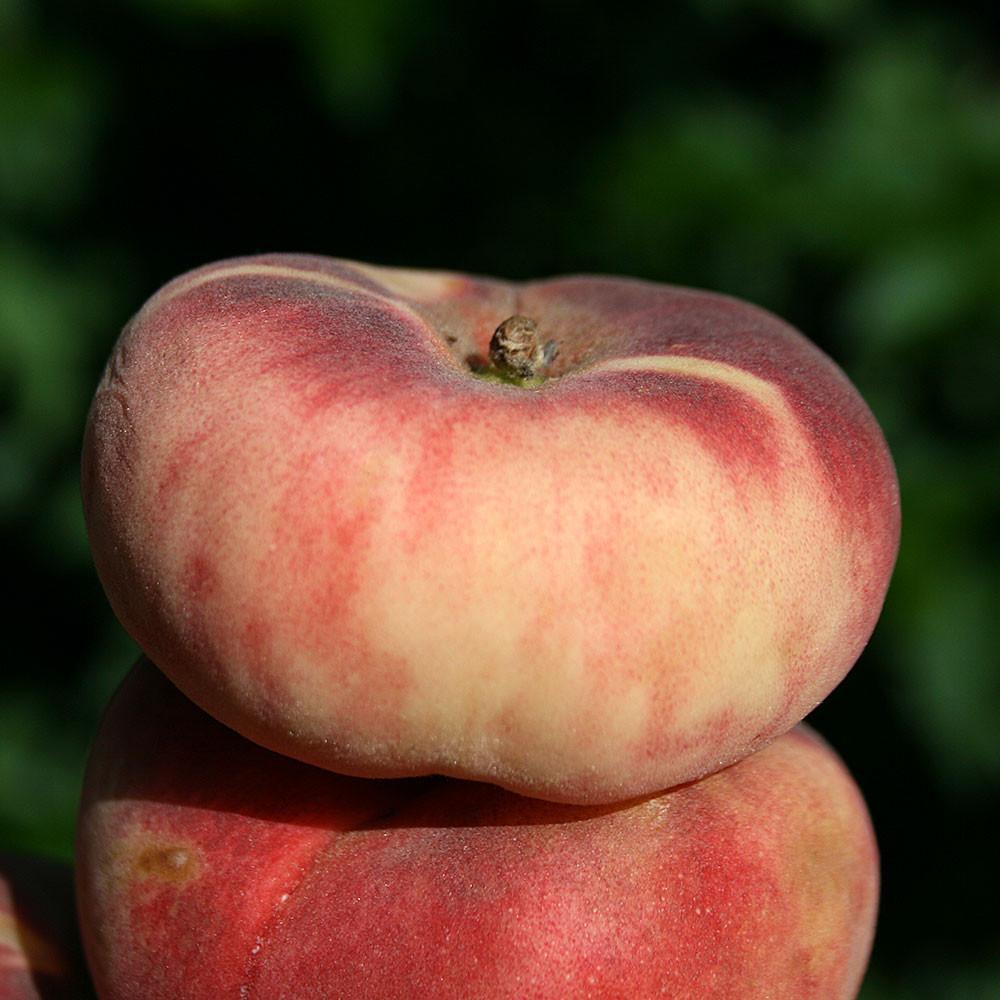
[
  {"x": 210, "y": 867},
  {"x": 313, "y": 512}
]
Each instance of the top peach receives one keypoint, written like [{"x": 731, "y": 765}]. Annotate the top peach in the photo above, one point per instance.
[{"x": 335, "y": 532}]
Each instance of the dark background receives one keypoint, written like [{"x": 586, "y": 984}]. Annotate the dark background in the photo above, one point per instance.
[{"x": 837, "y": 161}]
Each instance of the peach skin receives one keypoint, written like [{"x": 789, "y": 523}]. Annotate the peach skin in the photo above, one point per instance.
[
  {"x": 211, "y": 867},
  {"x": 584, "y": 538}
]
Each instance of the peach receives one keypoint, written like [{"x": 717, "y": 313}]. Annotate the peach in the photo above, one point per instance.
[
  {"x": 211, "y": 867},
  {"x": 40, "y": 956},
  {"x": 646, "y": 542}
]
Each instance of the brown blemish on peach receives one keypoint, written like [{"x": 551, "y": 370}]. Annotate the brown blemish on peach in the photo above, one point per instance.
[{"x": 175, "y": 863}]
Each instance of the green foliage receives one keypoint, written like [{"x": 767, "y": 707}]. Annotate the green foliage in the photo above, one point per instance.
[{"x": 837, "y": 161}]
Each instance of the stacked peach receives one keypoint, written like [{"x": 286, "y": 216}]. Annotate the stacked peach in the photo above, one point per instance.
[{"x": 585, "y": 539}]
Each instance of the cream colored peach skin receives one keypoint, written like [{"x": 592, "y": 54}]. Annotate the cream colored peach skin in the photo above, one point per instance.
[
  {"x": 210, "y": 867},
  {"x": 334, "y": 536}
]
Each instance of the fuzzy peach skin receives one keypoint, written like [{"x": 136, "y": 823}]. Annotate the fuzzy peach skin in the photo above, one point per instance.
[
  {"x": 40, "y": 955},
  {"x": 339, "y": 540},
  {"x": 211, "y": 867}
]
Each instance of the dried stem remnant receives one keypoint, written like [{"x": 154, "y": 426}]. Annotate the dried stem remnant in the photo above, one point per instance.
[{"x": 517, "y": 350}]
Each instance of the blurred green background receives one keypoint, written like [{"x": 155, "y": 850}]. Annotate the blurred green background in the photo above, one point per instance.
[{"x": 837, "y": 161}]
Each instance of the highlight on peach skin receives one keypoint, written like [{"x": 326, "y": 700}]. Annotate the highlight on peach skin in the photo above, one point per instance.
[
  {"x": 210, "y": 867},
  {"x": 584, "y": 538},
  {"x": 40, "y": 955}
]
